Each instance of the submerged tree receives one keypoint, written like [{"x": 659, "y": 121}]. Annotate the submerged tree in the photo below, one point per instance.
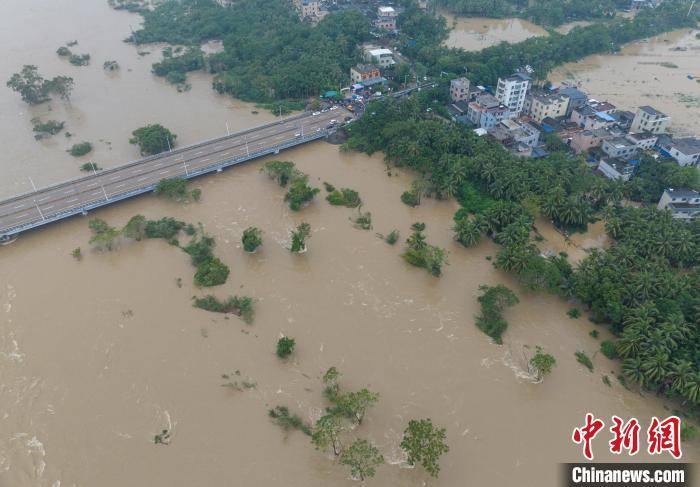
[
  {"x": 281, "y": 171},
  {"x": 251, "y": 239},
  {"x": 34, "y": 89},
  {"x": 363, "y": 458},
  {"x": 285, "y": 346},
  {"x": 424, "y": 444},
  {"x": 103, "y": 236},
  {"x": 541, "y": 364},
  {"x": 420, "y": 254},
  {"x": 327, "y": 431},
  {"x": 299, "y": 236},
  {"x": 355, "y": 404},
  {"x": 135, "y": 228},
  {"x": 153, "y": 139},
  {"x": 493, "y": 300}
]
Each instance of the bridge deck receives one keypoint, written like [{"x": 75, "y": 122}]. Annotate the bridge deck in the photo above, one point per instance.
[{"x": 102, "y": 188}]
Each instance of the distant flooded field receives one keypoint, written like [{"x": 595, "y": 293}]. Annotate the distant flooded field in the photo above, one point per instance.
[
  {"x": 653, "y": 72},
  {"x": 476, "y": 33},
  {"x": 98, "y": 356}
]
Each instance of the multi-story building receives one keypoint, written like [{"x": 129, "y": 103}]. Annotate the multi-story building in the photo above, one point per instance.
[
  {"x": 367, "y": 75},
  {"x": 643, "y": 141},
  {"x": 308, "y": 8},
  {"x": 459, "y": 89},
  {"x": 386, "y": 18},
  {"x": 594, "y": 115},
  {"x": 384, "y": 58},
  {"x": 683, "y": 203},
  {"x": 511, "y": 92},
  {"x": 648, "y": 119},
  {"x": 619, "y": 148},
  {"x": 577, "y": 98},
  {"x": 685, "y": 151},
  {"x": 584, "y": 140},
  {"x": 486, "y": 111},
  {"x": 519, "y": 137},
  {"x": 541, "y": 104}
]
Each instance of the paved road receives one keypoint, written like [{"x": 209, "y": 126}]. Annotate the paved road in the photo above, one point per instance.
[{"x": 104, "y": 185}]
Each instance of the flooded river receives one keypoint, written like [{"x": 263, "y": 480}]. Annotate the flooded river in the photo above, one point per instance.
[
  {"x": 653, "y": 72},
  {"x": 98, "y": 356}
]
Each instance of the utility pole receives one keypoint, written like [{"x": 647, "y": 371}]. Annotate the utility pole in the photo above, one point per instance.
[
  {"x": 31, "y": 181},
  {"x": 40, "y": 213},
  {"x": 692, "y": 4},
  {"x": 247, "y": 151},
  {"x": 186, "y": 171},
  {"x": 101, "y": 186},
  {"x": 227, "y": 130}
]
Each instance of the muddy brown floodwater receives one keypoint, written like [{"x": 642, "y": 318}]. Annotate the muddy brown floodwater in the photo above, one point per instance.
[
  {"x": 98, "y": 356},
  {"x": 476, "y": 33},
  {"x": 650, "y": 72}
]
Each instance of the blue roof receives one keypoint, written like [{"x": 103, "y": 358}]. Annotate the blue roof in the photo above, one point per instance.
[{"x": 605, "y": 116}]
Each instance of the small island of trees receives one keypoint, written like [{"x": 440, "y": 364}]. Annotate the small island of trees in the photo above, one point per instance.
[{"x": 153, "y": 139}]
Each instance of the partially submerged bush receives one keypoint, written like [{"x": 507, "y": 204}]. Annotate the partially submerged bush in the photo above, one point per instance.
[
  {"x": 239, "y": 305},
  {"x": 211, "y": 272},
  {"x": 251, "y": 239},
  {"x": 287, "y": 421},
  {"x": 80, "y": 149},
  {"x": 285, "y": 347},
  {"x": 344, "y": 197},
  {"x": 493, "y": 300}
]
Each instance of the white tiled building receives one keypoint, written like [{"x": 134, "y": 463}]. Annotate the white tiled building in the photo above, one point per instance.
[{"x": 511, "y": 92}]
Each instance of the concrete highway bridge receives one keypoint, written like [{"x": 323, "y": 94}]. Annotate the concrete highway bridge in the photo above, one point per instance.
[{"x": 101, "y": 188}]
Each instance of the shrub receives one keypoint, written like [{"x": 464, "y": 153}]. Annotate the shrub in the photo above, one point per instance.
[
  {"x": 363, "y": 221},
  {"x": 251, "y": 239},
  {"x": 239, "y": 305},
  {"x": 392, "y": 237},
  {"x": 285, "y": 346},
  {"x": 542, "y": 363},
  {"x": 46, "y": 129},
  {"x": 593, "y": 333},
  {"x": 574, "y": 313},
  {"x": 299, "y": 236},
  {"x": 299, "y": 192},
  {"x": 281, "y": 171},
  {"x": 583, "y": 359},
  {"x": 211, "y": 272},
  {"x": 410, "y": 198},
  {"x": 344, "y": 197},
  {"x": 165, "y": 228},
  {"x": 80, "y": 149},
  {"x": 63, "y": 51},
  {"x": 176, "y": 189},
  {"x": 153, "y": 139},
  {"x": 493, "y": 300},
  {"x": 90, "y": 167},
  {"x": 287, "y": 421},
  {"x": 79, "y": 59}
]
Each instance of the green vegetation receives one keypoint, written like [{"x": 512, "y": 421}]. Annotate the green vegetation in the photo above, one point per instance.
[
  {"x": 90, "y": 167},
  {"x": 327, "y": 431},
  {"x": 211, "y": 272},
  {"x": 493, "y": 300},
  {"x": 79, "y": 59},
  {"x": 409, "y": 198},
  {"x": 574, "y": 313},
  {"x": 176, "y": 189},
  {"x": 544, "y": 12},
  {"x": 609, "y": 349},
  {"x": 421, "y": 254},
  {"x": 103, "y": 236},
  {"x": 77, "y": 254},
  {"x": 362, "y": 457},
  {"x": 606, "y": 381},
  {"x": 363, "y": 221},
  {"x": 135, "y": 228},
  {"x": 238, "y": 305},
  {"x": 287, "y": 421},
  {"x": 264, "y": 45},
  {"x": 344, "y": 197},
  {"x": 63, "y": 51},
  {"x": 166, "y": 228},
  {"x": 392, "y": 237},
  {"x": 34, "y": 89},
  {"x": 110, "y": 66},
  {"x": 46, "y": 129},
  {"x": 584, "y": 360},
  {"x": 285, "y": 347},
  {"x": 593, "y": 333},
  {"x": 541, "y": 364},
  {"x": 299, "y": 191},
  {"x": 175, "y": 68},
  {"x": 652, "y": 177},
  {"x": 354, "y": 405},
  {"x": 80, "y": 149},
  {"x": 688, "y": 431},
  {"x": 299, "y": 236},
  {"x": 424, "y": 444},
  {"x": 251, "y": 239},
  {"x": 153, "y": 139},
  {"x": 162, "y": 438}
]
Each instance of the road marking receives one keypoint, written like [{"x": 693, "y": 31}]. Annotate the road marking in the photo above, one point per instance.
[
  {"x": 73, "y": 200},
  {"x": 68, "y": 192},
  {"x": 205, "y": 160},
  {"x": 48, "y": 207},
  {"x": 114, "y": 178},
  {"x": 200, "y": 152},
  {"x": 120, "y": 185},
  {"x": 143, "y": 178},
  {"x": 96, "y": 192},
  {"x": 92, "y": 185},
  {"x": 21, "y": 216},
  {"x": 164, "y": 172},
  {"x": 19, "y": 206},
  {"x": 158, "y": 165}
]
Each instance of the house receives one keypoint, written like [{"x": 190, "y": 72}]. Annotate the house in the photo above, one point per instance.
[
  {"x": 384, "y": 58},
  {"x": 619, "y": 148},
  {"x": 366, "y": 74},
  {"x": 308, "y": 8},
  {"x": 683, "y": 203},
  {"x": 643, "y": 141},
  {"x": 594, "y": 115},
  {"x": 542, "y": 104},
  {"x": 459, "y": 111},
  {"x": 577, "y": 98},
  {"x": 459, "y": 89},
  {"x": 648, "y": 119},
  {"x": 519, "y": 137},
  {"x": 685, "y": 151},
  {"x": 616, "y": 169},
  {"x": 623, "y": 119},
  {"x": 511, "y": 92},
  {"x": 584, "y": 140},
  {"x": 386, "y": 18},
  {"x": 486, "y": 111}
]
